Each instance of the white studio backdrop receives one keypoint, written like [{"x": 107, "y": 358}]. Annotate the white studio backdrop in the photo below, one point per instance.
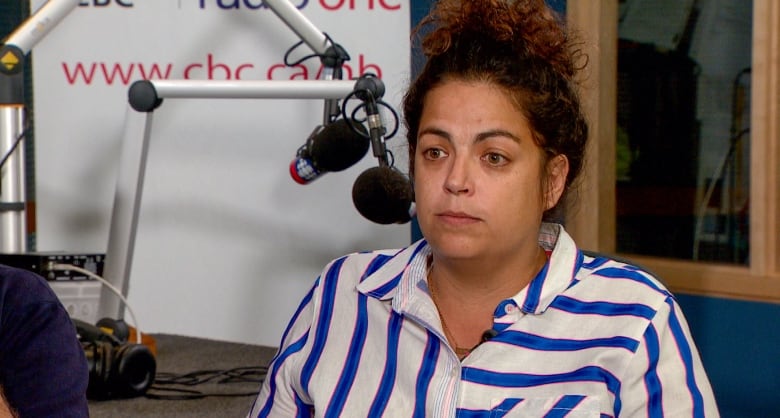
[{"x": 227, "y": 242}]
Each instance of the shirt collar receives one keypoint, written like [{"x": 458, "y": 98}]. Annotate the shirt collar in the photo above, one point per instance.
[
  {"x": 405, "y": 272},
  {"x": 556, "y": 275}
]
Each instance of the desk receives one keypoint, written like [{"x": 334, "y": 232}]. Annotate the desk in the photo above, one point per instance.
[{"x": 179, "y": 355}]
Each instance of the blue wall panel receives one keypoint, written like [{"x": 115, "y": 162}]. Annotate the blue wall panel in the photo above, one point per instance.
[{"x": 739, "y": 343}]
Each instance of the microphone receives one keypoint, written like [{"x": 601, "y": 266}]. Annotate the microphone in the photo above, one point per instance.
[
  {"x": 333, "y": 147},
  {"x": 383, "y": 195},
  {"x": 370, "y": 89},
  {"x": 488, "y": 335}
]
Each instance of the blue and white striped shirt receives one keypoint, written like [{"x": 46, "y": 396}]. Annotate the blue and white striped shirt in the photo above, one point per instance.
[{"x": 587, "y": 337}]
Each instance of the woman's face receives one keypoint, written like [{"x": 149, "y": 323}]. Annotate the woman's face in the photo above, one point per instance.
[{"x": 478, "y": 173}]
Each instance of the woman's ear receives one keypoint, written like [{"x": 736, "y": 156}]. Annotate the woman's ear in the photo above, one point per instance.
[{"x": 557, "y": 171}]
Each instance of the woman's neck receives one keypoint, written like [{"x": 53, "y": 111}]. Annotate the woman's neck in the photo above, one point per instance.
[
  {"x": 466, "y": 293},
  {"x": 481, "y": 281}
]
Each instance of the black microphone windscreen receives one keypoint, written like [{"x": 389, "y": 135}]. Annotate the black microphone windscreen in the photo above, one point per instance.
[
  {"x": 383, "y": 195},
  {"x": 338, "y": 147}
]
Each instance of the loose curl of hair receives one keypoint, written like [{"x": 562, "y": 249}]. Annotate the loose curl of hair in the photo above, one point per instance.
[{"x": 521, "y": 46}]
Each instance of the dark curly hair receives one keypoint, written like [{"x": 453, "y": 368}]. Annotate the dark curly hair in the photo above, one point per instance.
[{"x": 521, "y": 46}]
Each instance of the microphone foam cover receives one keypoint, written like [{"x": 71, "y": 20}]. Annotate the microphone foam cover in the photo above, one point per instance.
[
  {"x": 338, "y": 147},
  {"x": 383, "y": 195}
]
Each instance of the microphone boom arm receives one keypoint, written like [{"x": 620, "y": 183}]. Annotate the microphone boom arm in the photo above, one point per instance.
[
  {"x": 144, "y": 97},
  {"x": 331, "y": 55},
  {"x": 298, "y": 23},
  {"x": 38, "y": 25}
]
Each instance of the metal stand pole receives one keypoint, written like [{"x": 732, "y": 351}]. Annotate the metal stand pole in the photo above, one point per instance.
[{"x": 13, "y": 213}]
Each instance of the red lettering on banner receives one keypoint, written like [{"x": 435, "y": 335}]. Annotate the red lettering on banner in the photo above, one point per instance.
[
  {"x": 346, "y": 72},
  {"x": 301, "y": 73},
  {"x": 191, "y": 67},
  {"x": 79, "y": 72},
  {"x": 351, "y": 4},
  {"x": 210, "y": 68},
  {"x": 115, "y": 72},
  {"x": 215, "y": 70},
  {"x": 241, "y": 68},
  {"x": 155, "y": 72},
  {"x": 365, "y": 68}
]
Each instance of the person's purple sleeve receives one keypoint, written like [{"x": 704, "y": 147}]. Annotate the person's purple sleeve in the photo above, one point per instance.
[{"x": 43, "y": 369}]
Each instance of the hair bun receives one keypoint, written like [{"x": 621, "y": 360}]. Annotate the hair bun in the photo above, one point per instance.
[{"x": 526, "y": 26}]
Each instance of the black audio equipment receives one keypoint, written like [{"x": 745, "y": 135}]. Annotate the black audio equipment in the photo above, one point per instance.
[
  {"x": 38, "y": 263},
  {"x": 117, "y": 368}
]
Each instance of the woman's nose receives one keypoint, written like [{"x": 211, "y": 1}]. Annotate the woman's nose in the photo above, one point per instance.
[{"x": 458, "y": 179}]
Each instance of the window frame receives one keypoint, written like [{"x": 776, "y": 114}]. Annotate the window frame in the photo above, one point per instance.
[{"x": 593, "y": 222}]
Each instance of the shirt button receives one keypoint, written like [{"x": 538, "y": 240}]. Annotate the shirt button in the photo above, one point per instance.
[{"x": 509, "y": 308}]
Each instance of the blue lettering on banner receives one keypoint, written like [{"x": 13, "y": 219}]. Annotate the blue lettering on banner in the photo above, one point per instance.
[
  {"x": 104, "y": 3},
  {"x": 239, "y": 4}
]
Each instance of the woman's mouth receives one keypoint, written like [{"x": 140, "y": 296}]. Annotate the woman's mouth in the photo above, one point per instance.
[{"x": 457, "y": 218}]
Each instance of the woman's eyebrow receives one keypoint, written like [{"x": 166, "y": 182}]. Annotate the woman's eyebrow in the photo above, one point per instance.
[
  {"x": 480, "y": 137},
  {"x": 497, "y": 132},
  {"x": 434, "y": 131}
]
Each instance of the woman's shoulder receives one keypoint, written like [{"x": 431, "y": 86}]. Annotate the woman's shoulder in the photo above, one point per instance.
[
  {"x": 381, "y": 256},
  {"x": 388, "y": 262},
  {"x": 622, "y": 277}
]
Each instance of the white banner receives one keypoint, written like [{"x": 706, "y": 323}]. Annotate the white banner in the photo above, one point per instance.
[{"x": 227, "y": 243}]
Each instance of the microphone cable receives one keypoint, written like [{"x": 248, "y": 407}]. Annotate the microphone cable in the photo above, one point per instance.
[
  {"x": 69, "y": 267},
  {"x": 369, "y": 94},
  {"x": 26, "y": 131},
  {"x": 337, "y": 53},
  {"x": 175, "y": 386}
]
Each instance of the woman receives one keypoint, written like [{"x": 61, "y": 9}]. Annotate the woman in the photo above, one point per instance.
[{"x": 495, "y": 312}]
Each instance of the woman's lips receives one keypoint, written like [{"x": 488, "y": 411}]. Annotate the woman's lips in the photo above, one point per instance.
[{"x": 457, "y": 218}]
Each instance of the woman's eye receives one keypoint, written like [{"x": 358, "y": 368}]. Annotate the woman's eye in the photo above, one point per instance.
[
  {"x": 495, "y": 159},
  {"x": 433, "y": 153}
]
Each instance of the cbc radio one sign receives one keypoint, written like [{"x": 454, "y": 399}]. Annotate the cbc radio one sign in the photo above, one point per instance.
[{"x": 331, "y": 5}]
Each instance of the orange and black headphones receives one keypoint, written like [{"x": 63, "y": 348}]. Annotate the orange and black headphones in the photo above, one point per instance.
[{"x": 117, "y": 368}]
